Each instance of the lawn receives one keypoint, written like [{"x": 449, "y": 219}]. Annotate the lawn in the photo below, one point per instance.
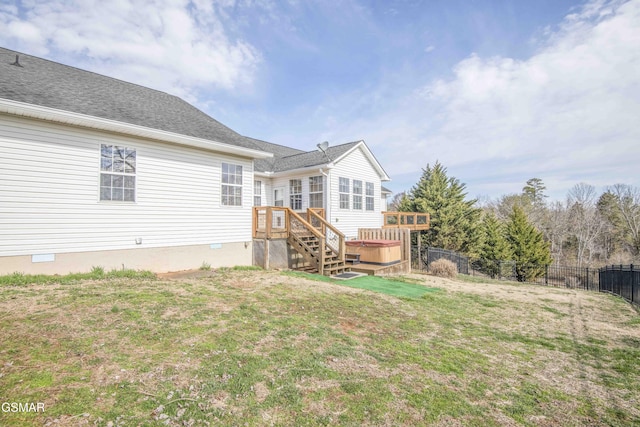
[{"x": 240, "y": 347}]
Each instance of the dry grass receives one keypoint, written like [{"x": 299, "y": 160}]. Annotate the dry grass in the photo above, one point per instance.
[
  {"x": 443, "y": 268},
  {"x": 263, "y": 348}
]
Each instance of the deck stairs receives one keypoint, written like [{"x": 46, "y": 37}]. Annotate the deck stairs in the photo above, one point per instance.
[
  {"x": 308, "y": 246},
  {"x": 319, "y": 243},
  {"x": 320, "y": 246}
]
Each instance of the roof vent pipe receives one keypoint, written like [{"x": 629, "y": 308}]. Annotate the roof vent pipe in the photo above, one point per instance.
[{"x": 17, "y": 62}]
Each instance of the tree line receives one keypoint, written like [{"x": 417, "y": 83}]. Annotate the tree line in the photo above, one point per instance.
[{"x": 586, "y": 230}]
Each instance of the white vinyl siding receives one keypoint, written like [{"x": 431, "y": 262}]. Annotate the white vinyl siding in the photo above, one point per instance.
[
  {"x": 355, "y": 166},
  {"x": 178, "y": 193}
]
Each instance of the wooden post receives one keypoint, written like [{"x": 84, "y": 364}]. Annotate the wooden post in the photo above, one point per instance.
[
  {"x": 420, "y": 249},
  {"x": 269, "y": 221},
  {"x": 321, "y": 254}
]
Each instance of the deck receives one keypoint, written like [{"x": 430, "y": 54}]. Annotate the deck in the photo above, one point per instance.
[{"x": 403, "y": 267}]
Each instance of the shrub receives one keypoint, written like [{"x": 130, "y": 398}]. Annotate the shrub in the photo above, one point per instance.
[{"x": 443, "y": 268}]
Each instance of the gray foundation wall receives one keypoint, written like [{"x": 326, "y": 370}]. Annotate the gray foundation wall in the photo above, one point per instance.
[{"x": 158, "y": 260}]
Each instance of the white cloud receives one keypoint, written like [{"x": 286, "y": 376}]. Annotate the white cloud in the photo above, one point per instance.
[
  {"x": 567, "y": 114},
  {"x": 179, "y": 46}
]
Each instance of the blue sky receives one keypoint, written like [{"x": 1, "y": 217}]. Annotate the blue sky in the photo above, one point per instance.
[{"x": 497, "y": 91}]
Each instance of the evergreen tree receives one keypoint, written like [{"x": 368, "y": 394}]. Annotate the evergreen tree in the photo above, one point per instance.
[
  {"x": 454, "y": 220},
  {"x": 534, "y": 191},
  {"x": 495, "y": 248},
  {"x": 530, "y": 252}
]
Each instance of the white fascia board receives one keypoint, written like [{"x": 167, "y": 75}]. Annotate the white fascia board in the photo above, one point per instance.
[
  {"x": 376, "y": 164},
  {"x": 304, "y": 170},
  {"x": 82, "y": 120}
]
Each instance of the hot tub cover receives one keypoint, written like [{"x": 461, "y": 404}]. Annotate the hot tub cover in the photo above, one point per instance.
[{"x": 373, "y": 243}]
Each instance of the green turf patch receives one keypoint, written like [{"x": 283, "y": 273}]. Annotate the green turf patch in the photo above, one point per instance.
[
  {"x": 388, "y": 286},
  {"x": 383, "y": 285}
]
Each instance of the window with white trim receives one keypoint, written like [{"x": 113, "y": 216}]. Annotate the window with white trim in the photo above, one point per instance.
[
  {"x": 316, "y": 192},
  {"x": 231, "y": 184},
  {"x": 295, "y": 194},
  {"x": 257, "y": 193},
  {"x": 343, "y": 190},
  {"x": 278, "y": 196},
  {"x": 117, "y": 173},
  {"x": 357, "y": 194},
  {"x": 370, "y": 201}
]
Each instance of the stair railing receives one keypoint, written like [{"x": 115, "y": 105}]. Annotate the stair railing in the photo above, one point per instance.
[
  {"x": 334, "y": 238},
  {"x": 299, "y": 228}
]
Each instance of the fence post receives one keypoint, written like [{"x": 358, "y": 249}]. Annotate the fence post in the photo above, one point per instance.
[
  {"x": 546, "y": 274},
  {"x": 633, "y": 282},
  {"x": 588, "y": 278}
]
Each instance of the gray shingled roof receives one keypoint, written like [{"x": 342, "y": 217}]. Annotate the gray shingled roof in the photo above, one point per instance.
[
  {"x": 50, "y": 84},
  {"x": 302, "y": 159}
]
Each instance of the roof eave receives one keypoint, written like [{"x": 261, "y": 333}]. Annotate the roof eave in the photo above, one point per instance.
[
  {"x": 23, "y": 109},
  {"x": 301, "y": 170}
]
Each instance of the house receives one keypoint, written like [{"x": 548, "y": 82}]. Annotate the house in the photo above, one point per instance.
[
  {"x": 96, "y": 171},
  {"x": 344, "y": 180}
]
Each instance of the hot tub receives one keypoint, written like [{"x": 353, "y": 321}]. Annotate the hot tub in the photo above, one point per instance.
[{"x": 380, "y": 252}]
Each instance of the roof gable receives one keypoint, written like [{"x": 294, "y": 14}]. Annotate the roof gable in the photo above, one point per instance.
[
  {"x": 284, "y": 162},
  {"x": 370, "y": 157}
]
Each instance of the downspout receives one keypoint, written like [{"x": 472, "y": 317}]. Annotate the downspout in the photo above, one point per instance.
[{"x": 327, "y": 201}]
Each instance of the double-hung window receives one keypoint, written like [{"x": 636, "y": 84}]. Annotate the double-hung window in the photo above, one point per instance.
[
  {"x": 343, "y": 190},
  {"x": 231, "y": 184},
  {"x": 117, "y": 173},
  {"x": 357, "y": 194},
  {"x": 295, "y": 194},
  {"x": 257, "y": 193},
  {"x": 370, "y": 203},
  {"x": 316, "y": 192}
]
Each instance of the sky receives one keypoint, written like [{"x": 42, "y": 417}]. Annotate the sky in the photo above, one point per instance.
[{"x": 497, "y": 91}]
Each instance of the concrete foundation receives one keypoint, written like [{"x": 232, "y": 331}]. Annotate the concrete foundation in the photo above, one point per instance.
[{"x": 158, "y": 260}]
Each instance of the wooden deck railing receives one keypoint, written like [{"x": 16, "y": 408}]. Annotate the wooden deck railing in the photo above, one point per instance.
[
  {"x": 333, "y": 237},
  {"x": 411, "y": 220},
  {"x": 271, "y": 222}
]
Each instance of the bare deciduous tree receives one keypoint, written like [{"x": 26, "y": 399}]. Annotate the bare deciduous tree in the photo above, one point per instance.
[
  {"x": 585, "y": 222},
  {"x": 627, "y": 199}
]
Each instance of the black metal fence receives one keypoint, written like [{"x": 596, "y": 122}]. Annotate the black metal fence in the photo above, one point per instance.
[
  {"x": 622, "y": 280},
  {"x": 422, "y": 257}
]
